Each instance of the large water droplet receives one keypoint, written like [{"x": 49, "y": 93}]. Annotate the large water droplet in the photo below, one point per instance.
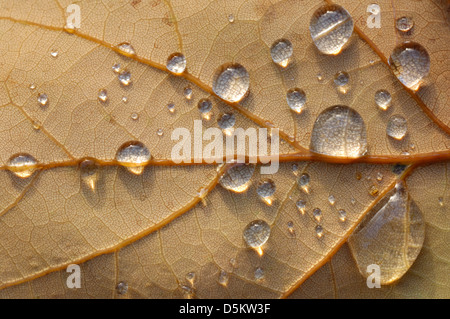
[
  {"x": 126, "y": 49},
  {"x": 383, "y": 99},
  {"x": 176, "y": 63},
  {"x": 404, "y": 24},
  {"x": 396, "y": 127},
  {"x": 339, "y": 131},
  {"x": 265, "y": 191},
  {"x": 281, "y": 52},
  {"x": 231, "y": 82},
  {"x": 22, "y": 165},
  {"x": 296, "y": 99},
  {"x": 133, "y": 155},
  {"x": 237, "y": 177},
  {"x": 256, "y": 233},
  {"x": 392, "y": 238},
  {"x": 89, "y": 173},
  {"x": 410, "y": 62},
  {"x": 331, "y": 26}
]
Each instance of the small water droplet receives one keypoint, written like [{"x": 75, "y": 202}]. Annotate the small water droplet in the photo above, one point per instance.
[
  {"x": 265, "y": 191},
  {"x": 32, "y": 86},
  {"x": 373, "y": 190},
  {"x": 187, "y": 92},
  {"x": 171, "y": 107},
  {"x": 205, "y": 107},
  {"x": 339, "y": 131},
  {"x": 396, "y": 127},
  {"x": 303, "y": 182},
  {"x": 190, "y": 277},
  {"x": 223, "y": 278},
  {"x": 410, "y": 62},
  {"x": 281, "y": 52},
  {"x": 398, "y": 169},
  {"x": 441, "y": 201},
  {"x": 341, "y": 80},
  {"x": 319, "y": 77},
  {"x": 296, "y": 99},
  {"x": 342, "y": 215},
  {"x": 331, "y": 200},
  {"x": 290, "y": 225},
  {"x": 379, "y": 176},
  {"x": 231, "y": 82},
  {"x": 317, "y": 214},
  {"x": 42, "y": 99},
  {"x": 256, "y": 233},
  {"x": 226, "y": 123},
  {"x": 122, "y": 288},
  {"x": 301, "y": 205},
  {"x": 54, "y": 53},
  {"x": 134, "y": 156},
  {"x": 233, "y": 262},
  {"x": 22, "y": 165},
  {"x": 126, "y": 49},
  {"x": 231, "y": 18},
  {"x": 404, "y": 24},
  {"x": 103, "y": 95},
  {"x": 331, "y": 26},
  {"x": 160, "y": 132},
  {"x": 176, "y": 63},
  {"x": 124, "y": 99},
  {"x": 353, "y": 201},
  {"x": 237, "y": 177},
  {"x": 125, "y": 78},
  {"x": 319, "y": 231},
  {"x": 383, "y": 99},
  {"x": 116, "y": 68},
  {"x": 89, "y": 173},
  {"x": 134, "y": 116}
]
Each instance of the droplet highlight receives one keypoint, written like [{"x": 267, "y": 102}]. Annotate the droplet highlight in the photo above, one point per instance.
[{"x": 89, "y": 173}]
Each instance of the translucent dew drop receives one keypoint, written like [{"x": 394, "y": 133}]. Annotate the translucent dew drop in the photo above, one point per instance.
[
  {"x": 231, "y": 82},
  {"x": 124, "y": 99},
  {"x": 341, "y": 80},
  {"x": 441, "y": 201},
  {"x": 331, "y": 200},
  {"x": 32, "y": 86},
  {"x": 256, "y": 234},
  {"x": 122, "y": 288},
  {"x": 373, "y": 190},
  {"x": 331, "y": 26},
  {"x": 265, "y": 191},
  {"x": 22, "y": 165},
  {"x": 296, "y": 99},
  {"x": 103, "y": 95},
  {"x": 205, "y": 107},
  {"x": 259, "y": 273},
  {"x": 319, "y": 231},
  {"x": 116, "y": 68},
  {"x": 160, "y": 132},
  {"x": 171, "y": 107},
  {"x": 125, "y": 78},
  {"x": 187, "y": 92},
  {"x": 410, "y": 62},
  {"x": 391, "y": 237},
  {"x": 190, "y": 277},
  {"x": 383, "y": 99},
  {"x": 126, "y": 49},
  {"x": 231, "y": 18},
  {"x": 404, "y": 24},
  {"x": 134, "y": 156},
  {"x": 303, "y": 182},
  {"x": 89, "y": 173},
  {"x": 317, "y": 214},
  {"x": 134, "y": 116},
  {"x": 176, "y": 63},
  {"x": 226, "y": 123},
  {"x": 223, "y": 278},
  {"x": 342, "y": 215},
  {"x": 281, "y": 52},
  {"x": 396, "y": 127},
  {"x": 237, "y": 177},
  {"x": 339, "y": 131},
  {"x": 290, "y": 225},
  {"x": 42, "y": 99},
  {"x": 54, "y": 53},
  {"x": 301, "y": 205}
]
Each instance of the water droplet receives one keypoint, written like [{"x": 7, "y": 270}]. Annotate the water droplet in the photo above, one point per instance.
[
  {"x": 410, "y": 62},
  {"x": 259, "y": 273},
  {"x": 187, "y": 92},
  {"x": 441, "y": 201},
  {"x": 319, "y": 231},
  {"x": 339, "y": 131},
  {"x": 125, "y": 78},
  {"x": 116, "y": 68},
  {"x": 89, "y": 173},
  {"x": 32, "y": 86},
  {"x": 331, "y": 26},
  {"x": 205, "y": 107},
  {"x": 171, "y": 107},
  {"x": 223, "y": 278},
  {"x": 190, "y": 277},
  {"x": 341, "y": 80},
  {"x": 176, "y": 63},
  {"x": 22, "y": 165},
  {"x": 317, "y": 213},
  {"x": 226, "y": 122},
  {"x": 373, "y": 190},
  {"x": 231, "y": 18},
  {"x": 290, "y": 225},
  {"x": 301, "y": 205},
  {"x": 296, "y": 99},
  {"x": 331, "y": 200},
  {"x": 319, "y": 77},
  {"x": 281, "y": 52},
  {"x": 396, "y": 127},
  {"x": 392, "y": 238},
  {"x": 134, "y": 156},
  {"x": 383, "y": 99},
  {"x": 126, "y": 49},
  {"x": 42, "y": 99},
  {"x": 231, "y": 82},
  {"x": 124, "y": 99},
  {"x": 404, "y": 24},
  {"x": 353, "y": 201},
  {"x": 303, "y": 182},
  {"x": 256, "y": 233},
  {"x": 122, "y": 288},
  {"x": 265, "y": 191},
  {"x": 160, "y": 132},
  {"x": 103, "y": 95},
  {"x": 54, "y": 53},
  {"x": 188, "y": 292},
  {"x": 237, "y": 177},
  {"x": 342, "y": 215},
  {"x": 134, "y": 116}
]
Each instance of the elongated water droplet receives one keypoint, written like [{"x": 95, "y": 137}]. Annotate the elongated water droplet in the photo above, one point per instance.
[
  {"x": 231, "y": 82},
  {"x": 392, "y": 238},
  {"x": 317, "y": 214},
  {"x": 342, "y": 215},
  {"x": 331, "y": 26},
  {"x": 303, "y": 182},
  {"x": 396, "y": 127},
  {"x": 341, "y": 80},
  {"x": 237, "y": 177},
  {"x": 404, "y": 24},
  {"x": 301, "y": 205},
  {"x": 290, "y": 225},
  {"x": 171, "y": 107},
  {"x": 122, "y": 288},
  {"x": 89, "y": 173},
  {"x": 126, "y": 49},
  {"x": 383, "y": 99},
  {"x": 42, "y": 99},
  {"x": 265, "y": 191},
  {"x": 410, "y": 62},
  {"x": 226, "y": 123},
  {"x": 125, "y": 78},
  {"x": 319, "y": 231},
  {"x": 187, "y": 92},
  {"x": 176, "y": 63},
  {"x": 134, "y": 156},
  {"x": 441, "y": 201},
  {"x": 339, "y": 131},
  {"x": 223, "y": 278},
  {"x": 281, "y": 52},
  {"x": 256, "y": 233},
  {"x": 231, "y": 18},
  {"x": 296, "y": 99},
  {"x": 102, "y": 95},
  {"x": 22, "y": 165}
]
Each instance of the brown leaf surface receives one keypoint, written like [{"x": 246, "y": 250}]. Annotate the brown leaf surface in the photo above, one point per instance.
[{"x": 150, "y": 230}]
